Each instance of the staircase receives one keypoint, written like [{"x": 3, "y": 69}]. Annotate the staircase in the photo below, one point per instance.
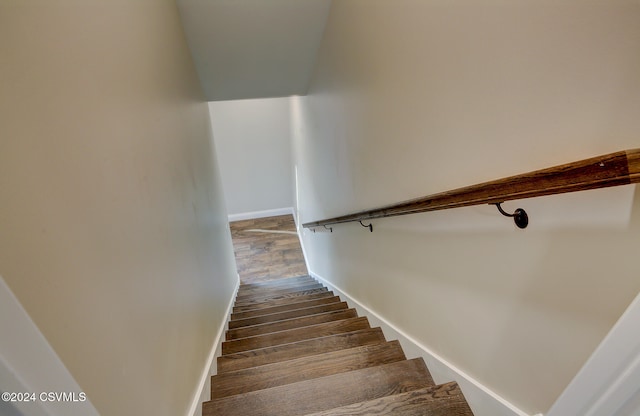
[{"x": 293, "y": 348}]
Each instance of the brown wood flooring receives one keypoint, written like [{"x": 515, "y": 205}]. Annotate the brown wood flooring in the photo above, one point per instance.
[
  {"x": 294, "y": 348},
  {"x": 289, "y": 353},
  {"x": 264, "y": 256}
]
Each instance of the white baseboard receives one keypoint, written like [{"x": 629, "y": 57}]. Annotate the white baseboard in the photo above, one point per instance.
[
  {"x": 300, "y": 231},
  {"x": 481, "y": 399},
  {"x": 28, "y": 363},
  {"x": 260, "y": 214},
  {"x": 203, "y": 393}
]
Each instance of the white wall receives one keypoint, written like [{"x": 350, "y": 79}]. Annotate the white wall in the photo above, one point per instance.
[
  {"x": 114, "y": 232},
  {"x": 253, "y": 141},
  {"x": 415, "y": 97}
]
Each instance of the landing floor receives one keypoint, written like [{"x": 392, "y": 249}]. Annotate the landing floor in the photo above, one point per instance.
[{"x": 267, "y": 249}]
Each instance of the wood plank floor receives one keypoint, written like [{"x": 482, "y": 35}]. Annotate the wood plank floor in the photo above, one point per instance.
[
  {"x": 264, "y": 256},
  {"x": 294, "y": 348},
  {"x": 284, "y": 354}
]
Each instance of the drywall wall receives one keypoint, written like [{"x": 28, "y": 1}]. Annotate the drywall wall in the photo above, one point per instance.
[
  {"x": 253, "y": 142},
  {"x": 114, "y": 233},
  {"x": 415, "y": 97}
]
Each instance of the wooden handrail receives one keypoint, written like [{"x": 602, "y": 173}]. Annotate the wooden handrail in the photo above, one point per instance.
[{"x": 614, "y": 169}]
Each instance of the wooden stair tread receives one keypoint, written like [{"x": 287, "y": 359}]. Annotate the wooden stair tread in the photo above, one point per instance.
[
  {"x": 280, "y": 316},
  {"x": 244, "y": 290},
  {"x": 266, "y": 328},
  {"x": 442, "y": 400},
  {"x": 275, "y": 282},
  {"x": 285, "y": 307},
  {"x": 294, "y": 349},
  {"x": 293, "y": 335},
  {"x": 279, "y": 302},
  {"x": 276, "y": 291},
  {"x": 305, "y": 368},
  {"x": 337, "y": 390},
  {"x": 265, "y": 297},
  {"x": 279, "y": 353}
]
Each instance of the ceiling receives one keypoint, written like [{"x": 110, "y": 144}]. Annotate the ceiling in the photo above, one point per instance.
[{"x": 254, "y": 48}]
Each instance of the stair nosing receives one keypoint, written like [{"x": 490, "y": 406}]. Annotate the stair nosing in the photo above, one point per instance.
[
  {"x": 272, "y": 281},
  {"x": 393, "y": 341},
  {"x": 404, "y": 398},
  {"x": 285, "y": 289},
  {"x": 416, "y": 365},
  {"x": 359, "y": 319},
  {"x": 273, "y": 351},
  {"x": 321, "y": 295},
  {"x": 339, "y": 302},
  {"x": 285, "y": 305},
  {"x": 263, "y": 325},
  {"x": 281, "y": 296},
  {"x": 297, "y": 328},
  {"x": 393, "y": 349}
]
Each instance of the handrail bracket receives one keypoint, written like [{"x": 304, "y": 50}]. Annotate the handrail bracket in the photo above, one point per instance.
[
  {"x": 519, "y": 216},
  {"x": 370, "y": 226}
]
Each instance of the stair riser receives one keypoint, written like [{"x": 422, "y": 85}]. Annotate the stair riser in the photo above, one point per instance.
[
  {"x": 279, "y": 302},
  {"x": 269, "y": 355},
  {"x": 292, "y": 348},
  {"x": 307, "y": 368},
  {"x": 443, "y": 400},
  {"x": 274, "y": 283},
  {"x": 279, "y": 294},
  {"x": 337, "y": 390},
  {"x": 285, "y": 307},
  {"x": 289, "y": 324},
  {"x": 294, "y": 335},
  {"x": 296, "y": 313},
  {"x": 258, "y": 293},
  {"x": 243, "y": 290}
]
